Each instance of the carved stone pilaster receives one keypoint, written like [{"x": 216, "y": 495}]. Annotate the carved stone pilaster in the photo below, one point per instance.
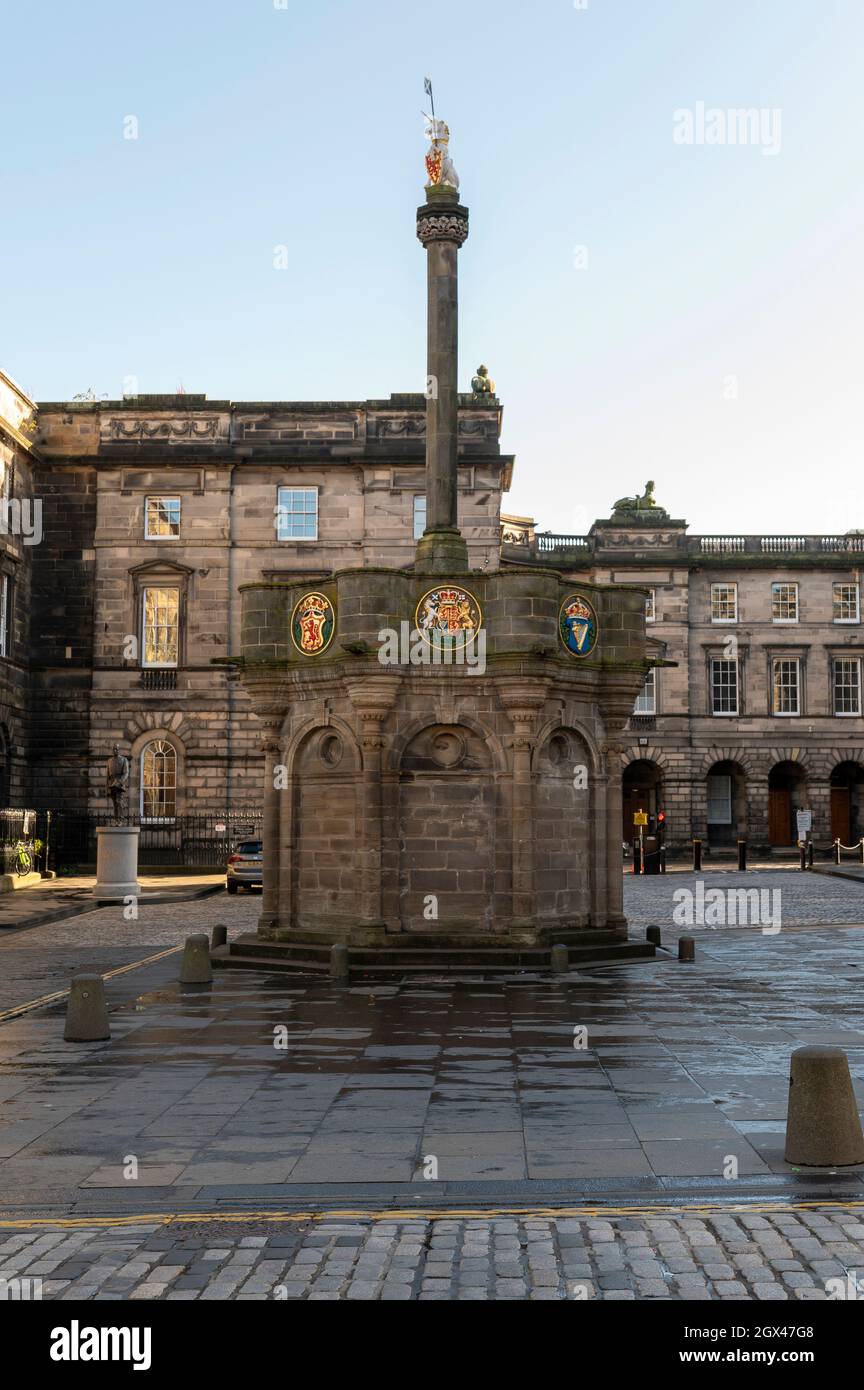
[{"x": 271, "y": 748}]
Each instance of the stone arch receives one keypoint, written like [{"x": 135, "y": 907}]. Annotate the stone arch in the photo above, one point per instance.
[
  {"x": 460, "y": 719},
  {"x": 742, "y": 756},
  {"x": 773, "y": 756},
  {"x": 645, "y": 755},
  {"x": 568, "y": 725},
  {"x": 338, "y": 726},
  {"x": 143, "y": 722},
  {"x": 451, "y": 852}
]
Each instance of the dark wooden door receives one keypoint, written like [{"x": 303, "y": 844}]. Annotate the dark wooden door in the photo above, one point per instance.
[
  {"x": 841, "y": 825},
  {"x": 780, "y": 816}
]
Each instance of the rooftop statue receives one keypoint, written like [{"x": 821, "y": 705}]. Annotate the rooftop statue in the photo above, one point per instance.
[
  {"x": 645, "y": 503},
  {"x": 481, "y": 383}
]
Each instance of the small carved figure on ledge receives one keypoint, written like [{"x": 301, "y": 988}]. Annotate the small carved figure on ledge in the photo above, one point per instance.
[
  {"x": 117, "y": 782},
  {"x": 481, "y": 382},
  {"x": 644, "y": 503}
]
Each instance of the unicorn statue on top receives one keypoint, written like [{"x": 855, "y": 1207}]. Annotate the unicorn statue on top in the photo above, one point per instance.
[{"x": 439, "y": 165}]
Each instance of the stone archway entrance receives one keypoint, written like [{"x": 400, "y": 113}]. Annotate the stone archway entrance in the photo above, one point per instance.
[
  {"x": 787, "y": 793},
  {"x": 726, "y": 796},
  {"x": 847, "y": 802},
  {"x": 642, "y": 790}
]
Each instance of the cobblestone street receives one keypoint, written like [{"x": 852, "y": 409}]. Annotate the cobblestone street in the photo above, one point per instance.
[{"x": 787, "y": 1255}]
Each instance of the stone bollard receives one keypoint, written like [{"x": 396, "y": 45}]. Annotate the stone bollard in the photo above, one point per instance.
[
  {"x": 652, "y": 934},
  {"x": 559, "y": 959},
  {"x": 196, "y": 968},
  {"x": 686, "y": 948},
  {"x": 823, "y": 1127},
  {"x": 87, "y": 1013},
  {"x": 339, "y": 962},
  {"x": 218, "y": 936}
]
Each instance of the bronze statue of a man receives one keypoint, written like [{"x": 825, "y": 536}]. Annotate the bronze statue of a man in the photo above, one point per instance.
[{"x": 117, "y": 781}]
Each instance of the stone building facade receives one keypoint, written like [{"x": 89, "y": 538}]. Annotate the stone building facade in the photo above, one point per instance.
[
  {"x": 19, "y": 531},
  {"x": 760, "y": 715},
  {"x": 155, "y": 510}
]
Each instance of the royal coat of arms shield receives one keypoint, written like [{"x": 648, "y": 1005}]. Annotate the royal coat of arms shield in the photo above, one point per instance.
[
  {"x": 577, "y": 625},
  {"x": 448, "y": 616},
  {"x": 313, "y": 623}
]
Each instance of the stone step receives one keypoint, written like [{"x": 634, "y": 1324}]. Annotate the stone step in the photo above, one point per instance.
[{"x": 246, "y": 953}]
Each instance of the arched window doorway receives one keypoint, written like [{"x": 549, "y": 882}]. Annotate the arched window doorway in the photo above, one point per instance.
[
  {"x": 642, "y": 791},
  {"x": 847, "y": 801},
  {"x": 787, "y": 793},
  {"x": 726, "y": 796},
  {"x": 158, "y": 781}
]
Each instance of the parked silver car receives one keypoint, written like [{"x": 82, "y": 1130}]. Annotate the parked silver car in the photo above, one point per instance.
[{"x": 245, "y": 869}]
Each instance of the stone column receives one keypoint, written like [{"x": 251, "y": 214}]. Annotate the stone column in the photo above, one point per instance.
[
  {"x": 370, "y": 827},
  {"x": 615, "y": 919},
  {"x": 373, "y": 698},
  {"x": 523, "y": 703},
  {"x": 270, "y": 892},
  {"x": 442, "y": 227}
]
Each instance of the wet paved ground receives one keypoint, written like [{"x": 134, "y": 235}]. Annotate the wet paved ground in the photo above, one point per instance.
[
  {"x": 261, "y": 1091},
  {"x": 805, "y": 898},
  {"x": 654, "y": 1071},
  {"x": 788, "y": 1255}
]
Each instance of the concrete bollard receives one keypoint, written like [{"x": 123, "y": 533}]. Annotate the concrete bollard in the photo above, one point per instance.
[
  {"x": 652, "y": 934},
  {"x": 196, "y": 968},
  {"x": 686, "y": 948},
  {"x": 823, "y": 1127},
  {"x": 339, "y": 962},
  {"x": 559, "y": 959},
  {"x": 218, "y": 936},
  {"x": 87, "y": 1012}
]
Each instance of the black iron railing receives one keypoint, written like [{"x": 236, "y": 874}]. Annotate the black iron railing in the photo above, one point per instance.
[{"x": 200, "y": 839}]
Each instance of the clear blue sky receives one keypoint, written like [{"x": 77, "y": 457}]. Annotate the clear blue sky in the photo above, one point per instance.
[{"x": 152, "y": 259}]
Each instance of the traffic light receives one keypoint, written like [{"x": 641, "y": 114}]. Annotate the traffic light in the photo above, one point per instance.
[{"x": 661, "y": 818}]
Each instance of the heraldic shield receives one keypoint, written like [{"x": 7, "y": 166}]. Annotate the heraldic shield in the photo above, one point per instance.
[
  {"x": 313, "y": 623},
  {"x": 577, "y": 625}
]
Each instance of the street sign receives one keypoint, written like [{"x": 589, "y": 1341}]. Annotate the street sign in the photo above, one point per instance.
[
  {"x": 640, "y": 818},
  {"x": 805, "y": 822}
]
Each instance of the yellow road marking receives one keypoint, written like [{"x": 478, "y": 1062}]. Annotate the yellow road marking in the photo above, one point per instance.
[
  {"x": 421, "y": 1214},
  {"x": 62, "y": 993}
]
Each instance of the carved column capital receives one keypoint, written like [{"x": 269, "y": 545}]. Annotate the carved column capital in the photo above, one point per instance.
[{"x": 447, "y": 223}]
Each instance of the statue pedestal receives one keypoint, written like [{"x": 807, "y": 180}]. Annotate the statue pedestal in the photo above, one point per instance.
[{"x": 116, "y": 863}]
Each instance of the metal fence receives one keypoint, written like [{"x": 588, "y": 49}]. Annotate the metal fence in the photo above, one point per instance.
[{"x": 199, "y": 840}]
